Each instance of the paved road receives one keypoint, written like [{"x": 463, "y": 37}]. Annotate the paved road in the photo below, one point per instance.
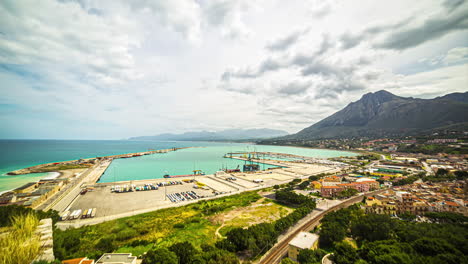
[
  {"x": 326, "y": 259},
  {"x": 61, "y": 200}
]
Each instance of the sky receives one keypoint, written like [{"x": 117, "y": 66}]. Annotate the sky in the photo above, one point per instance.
[{"x": 113, "y": 69}]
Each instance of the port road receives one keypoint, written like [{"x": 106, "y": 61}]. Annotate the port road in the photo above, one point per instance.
[{"x": 70, "y": 192}]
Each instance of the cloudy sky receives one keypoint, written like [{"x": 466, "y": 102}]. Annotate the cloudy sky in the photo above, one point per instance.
[{"x": 112, "y": 69}]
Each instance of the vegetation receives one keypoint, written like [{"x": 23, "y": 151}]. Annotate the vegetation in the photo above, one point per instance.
[
  {"x": 447, "y": 217},
  {"x": 308, "y": 256},
  {"x": 347, "y": 193},
  {"x": 314, "y": 178},
  {"x": 304, "y": 185},
  {"x": 381, "y": 239},
  {"x": 8, "y": 213},
  {"x": 335, "y": 226},
  {"x": 19, "y": 244},
  {"x": 141, "y": 233},
  {"x": 257, "y": 239},
  {"x": 445, "y": 175},
  {"x": 432, "y": 149},
  {"x": 185, "y": 252},
  {"x": 291, "y": 198},
  {"x": 405, "y": 181},
  {"x": 368, "y": 157},
  {"x": 250, "y": 215}
]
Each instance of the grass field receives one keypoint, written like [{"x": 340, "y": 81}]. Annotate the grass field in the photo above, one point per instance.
[
  {"x": 261, "y": 211},
  {"x": 162, "y": 228}
]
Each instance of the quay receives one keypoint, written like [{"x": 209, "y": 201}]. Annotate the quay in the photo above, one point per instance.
[
  {"x": 50, "y": 167},
  {"x": 60, "y": 193}
]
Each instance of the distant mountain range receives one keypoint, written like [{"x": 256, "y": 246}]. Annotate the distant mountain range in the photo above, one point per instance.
[
  {"x": 383, "y": 114},
  {"x": 225, "y": 135}
]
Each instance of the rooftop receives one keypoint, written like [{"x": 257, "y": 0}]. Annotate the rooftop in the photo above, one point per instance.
[
  {"x": 304, "y": 240},
  {"x": 121, "y": 258},
  {"x": 73, "y": 261}
]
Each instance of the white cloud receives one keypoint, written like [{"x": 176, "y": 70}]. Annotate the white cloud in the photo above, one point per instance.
[
  {"x": 114, "y": 68},
  {"x": 456, "y": 55}
]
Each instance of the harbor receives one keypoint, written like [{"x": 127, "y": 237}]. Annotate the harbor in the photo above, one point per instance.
[
  {"x": 116, "y": 186},
  {"x": 113, "y": 200}
]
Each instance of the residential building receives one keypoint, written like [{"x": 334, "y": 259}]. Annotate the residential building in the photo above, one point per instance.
[
  {"x": 304, "y": 240},
  {"x": 316, "y": 184},
  {"x": 330, "y": 191}
]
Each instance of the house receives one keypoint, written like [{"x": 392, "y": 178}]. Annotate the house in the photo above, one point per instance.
[
  {"x": 330, "y": 181},
  {"x": 330, "y": 191},
  {"x": 117, "y": 258},
  {"x": 316, "y": 184},
  {"x": 78, "y": 261},
  {"x": 304, "y": 240}
]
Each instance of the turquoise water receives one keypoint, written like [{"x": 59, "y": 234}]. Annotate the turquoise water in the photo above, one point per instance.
[
  {"x": 17, "y": 154},
  {"x": 208, "y": 159}
]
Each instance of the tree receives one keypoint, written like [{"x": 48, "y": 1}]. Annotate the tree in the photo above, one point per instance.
[
  {"x": 447, "y": 217},
  {"x": 308, "y": 256},
  {"x": 344, "y": 253},
  {"x": 373, "y": 227},
  {"x": 330, "y": 233},
  {"x": 314, "y": 178},
  {"x": 287, "y": 261},
  {"x": 347, "y": 193},
  {"x": 184, "y": 251},
  {"x": 441, "y": 172},
  {"x": 160, "y": 256},
  {"x": 407, "y": 216},
  {"x": 240, "y": 238},
  {"x": 461, "y": 175},
  {"x": 433, "y": 246},
  {"x": 105, "y": 244},
  {"x": 213, "y": 255},
  {"x": 304, "y": 185}
]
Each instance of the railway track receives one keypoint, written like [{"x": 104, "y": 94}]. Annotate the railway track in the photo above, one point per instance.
[{"x": 279, "y": 250}]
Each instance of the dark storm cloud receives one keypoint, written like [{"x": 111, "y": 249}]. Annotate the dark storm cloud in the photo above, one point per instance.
[
  {"x": 433, "y": 28},
  {"x": 401, "y": 36}
]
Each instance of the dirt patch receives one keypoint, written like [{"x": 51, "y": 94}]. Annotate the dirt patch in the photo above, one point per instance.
[{"x": 261, "y": 211}]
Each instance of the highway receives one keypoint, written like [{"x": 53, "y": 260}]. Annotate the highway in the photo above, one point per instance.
[{"x": 280, "y": 249}]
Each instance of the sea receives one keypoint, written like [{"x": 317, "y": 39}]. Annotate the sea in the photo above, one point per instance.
[{"x": 205, "y": 156}]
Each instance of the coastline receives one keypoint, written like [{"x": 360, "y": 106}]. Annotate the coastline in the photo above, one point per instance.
[
  {"x": 37, "y": 168},
  {"x": 304, "y": 147},
  {"x": 50, "y": 175}
]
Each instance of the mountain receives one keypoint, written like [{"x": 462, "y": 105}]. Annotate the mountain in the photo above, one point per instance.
[
  {"x": 230, "y": 134},
  {"x": 383, "y": 114}
]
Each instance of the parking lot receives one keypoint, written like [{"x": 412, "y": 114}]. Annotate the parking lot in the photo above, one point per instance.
[{"x": 111, "y": 203}]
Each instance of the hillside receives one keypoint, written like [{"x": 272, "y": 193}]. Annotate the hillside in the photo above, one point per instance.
[
  {"x": 230, "y": 134},
  {"x": 383, "y": 114}
]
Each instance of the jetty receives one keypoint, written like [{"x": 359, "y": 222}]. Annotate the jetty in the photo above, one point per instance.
[{"x": 84, "y": 163}]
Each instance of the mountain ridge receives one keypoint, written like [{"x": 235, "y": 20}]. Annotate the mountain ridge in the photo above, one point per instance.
[
  {"x": 228, "y": 134},
  {"x": 384, "y": 114}
]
